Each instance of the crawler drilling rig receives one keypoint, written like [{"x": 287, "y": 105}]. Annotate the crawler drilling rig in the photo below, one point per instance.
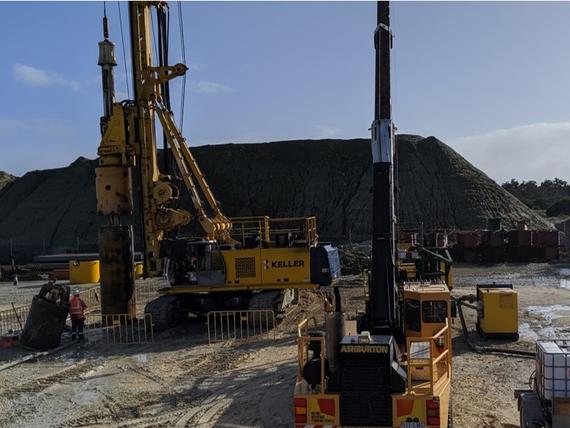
[
  {"x": 236, "y": 263},
  {"x": 392, "y": 366}
]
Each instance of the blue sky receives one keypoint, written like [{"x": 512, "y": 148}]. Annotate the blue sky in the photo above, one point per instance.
[{"x": 490, "y": 79}]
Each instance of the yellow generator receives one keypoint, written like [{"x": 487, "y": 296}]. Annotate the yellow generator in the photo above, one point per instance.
[{"x": 497, "y": 311}]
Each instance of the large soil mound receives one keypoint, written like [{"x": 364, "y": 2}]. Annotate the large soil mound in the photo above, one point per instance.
[{"x": 328, "y": 178}]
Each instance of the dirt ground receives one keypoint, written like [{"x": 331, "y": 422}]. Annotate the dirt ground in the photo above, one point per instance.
[{"x": 181, "y": 381}]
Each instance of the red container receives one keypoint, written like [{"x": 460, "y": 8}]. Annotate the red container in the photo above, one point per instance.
[
  {"x": 493, "y": 255},
  {"x": 471, "y": 256},
  {"x": 520, "y": 238},
  {"x": 471, "y": 240},
  {"x": 457, "y": 253},
  {"x": 539, "y": 254},
  {"x": 9, "y": 340},
  {"x": 497, "y": 239},
  {"x": 552, "y": 253},
  {"x": 485, "y": 236},
  {"x": 460, "y": 238},
  {"x": 519, "y": 254},
  {"x": 546, "y": 238}
]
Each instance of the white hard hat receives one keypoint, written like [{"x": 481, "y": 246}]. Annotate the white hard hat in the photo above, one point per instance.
[{"x": 75, "y": 292}]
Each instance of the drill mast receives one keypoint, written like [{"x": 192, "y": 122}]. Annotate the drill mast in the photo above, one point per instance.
[
  {"x": 130, "y": 141},
  {"x": 382, "y": 312}
]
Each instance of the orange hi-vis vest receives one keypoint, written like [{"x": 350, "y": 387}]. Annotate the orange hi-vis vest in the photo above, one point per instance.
[{"x": 76, "y": 306}]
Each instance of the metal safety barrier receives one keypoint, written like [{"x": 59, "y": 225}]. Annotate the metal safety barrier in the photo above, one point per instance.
[
  {"x": 239, "y": 325},
  {"x": 120, "y": 329},
  {"x": 146, "y": 291},
  {"x": 91, "y": 298},
  {"x": 18, "y": 297},
  {"x": 13, "y": 319}
]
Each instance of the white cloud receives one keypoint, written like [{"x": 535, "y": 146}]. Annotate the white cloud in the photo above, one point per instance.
[
  {"x": 36, "y": 77},
  {"x": 326, "y": 131},
  {"x": 206, "y": 87},
  {"x": 530, "y": 152}
]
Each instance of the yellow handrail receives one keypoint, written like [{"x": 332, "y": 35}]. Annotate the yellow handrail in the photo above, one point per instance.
[
  {"x": 266, "y": 227},
  {"x": 443, "y": 354},
  {"x": 305, "y": 324},
  {"x": 303, "y": 351},
  {"x": 433, "y": 361}
]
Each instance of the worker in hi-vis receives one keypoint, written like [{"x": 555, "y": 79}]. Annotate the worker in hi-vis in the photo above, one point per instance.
[{"x": 76, "y": 312}]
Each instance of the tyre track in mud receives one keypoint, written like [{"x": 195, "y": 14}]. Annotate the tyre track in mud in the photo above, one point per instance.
[
  {"x": 244, "y": 389},
  {"x": 180, "y": 382},
  {"x": 179, "y": 392},
  {"x": 38, "y": 385},
  {"x": 30, "y": 390},
  {"x": 209, "y": 397}
]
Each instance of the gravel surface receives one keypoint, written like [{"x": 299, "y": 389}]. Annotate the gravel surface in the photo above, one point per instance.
[{"x": 180, "y": 380}]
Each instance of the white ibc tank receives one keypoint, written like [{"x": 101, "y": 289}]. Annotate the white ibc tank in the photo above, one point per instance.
[{"x": 553, "y": 368}]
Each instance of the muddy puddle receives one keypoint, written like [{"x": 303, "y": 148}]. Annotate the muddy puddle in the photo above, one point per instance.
[{"x": 565, "y": 278}]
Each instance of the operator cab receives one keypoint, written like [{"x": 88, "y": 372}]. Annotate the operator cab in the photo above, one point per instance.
[{"x": 193, "y": 262}]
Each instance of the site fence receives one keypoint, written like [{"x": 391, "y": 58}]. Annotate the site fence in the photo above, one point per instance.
[
  {"x": 14, "y": 319},
  {"x": 146, "y": 291},
  {"x": 18, "y": 297},
  {"x": 239, "y": 325},
  {"x": 91, "y": 297},
  {"x": 120, "y": 329}
]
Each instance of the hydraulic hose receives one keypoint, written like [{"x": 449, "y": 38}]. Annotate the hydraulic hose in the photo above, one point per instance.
[{"x": 486, "y": 349}]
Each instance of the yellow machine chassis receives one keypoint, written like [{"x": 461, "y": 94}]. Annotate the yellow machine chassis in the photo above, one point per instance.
[
  {"x": 268, "y": 266},
  {"x": 423, "y": 387},
  {"x": 191, "y": 289}
]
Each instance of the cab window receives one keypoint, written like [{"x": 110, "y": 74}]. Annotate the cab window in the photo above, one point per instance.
[
  {"x": 413, "y": 321},
  {"x": 434, "y": 311}
]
